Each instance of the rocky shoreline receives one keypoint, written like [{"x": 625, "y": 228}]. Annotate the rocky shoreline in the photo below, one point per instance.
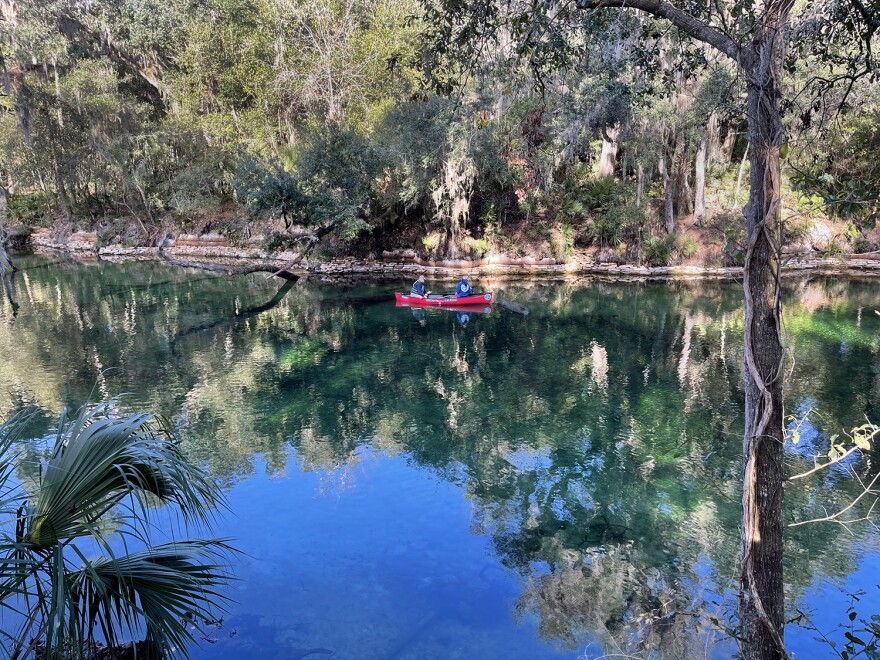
[{"x": 214, "y": 249}]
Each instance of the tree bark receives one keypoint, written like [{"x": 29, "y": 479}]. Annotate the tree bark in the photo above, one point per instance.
[
  {"x": 761, "y": 605},
  {"x": 61, "y": 190},
  {"x": 700, "y": 184},
  {"x": 668, "y": 196},
  {"x": 729, "y": 144},
  {"x": 640, "y": 183},
  {"x": 682, "y": 193},
  {"x": 713, "y": 138},
  {"x": 58, "y": 111},
  {"x": 739, "y": 176},
  {"x": 608, "y": 157}
]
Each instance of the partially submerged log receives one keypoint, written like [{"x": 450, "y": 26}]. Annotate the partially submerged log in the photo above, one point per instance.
[
  {"x": 272, "y": 269},
  {"x": 514, "y": 307}
]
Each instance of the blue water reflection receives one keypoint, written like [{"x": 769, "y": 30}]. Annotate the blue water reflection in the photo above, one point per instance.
[{"x": 556, "y": 478}]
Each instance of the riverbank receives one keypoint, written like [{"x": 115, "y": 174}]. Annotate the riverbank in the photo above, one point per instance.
[{"x": 214, "y": 249}]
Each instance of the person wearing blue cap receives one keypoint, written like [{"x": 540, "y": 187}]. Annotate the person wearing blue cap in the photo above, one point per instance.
[{"x": 463, "y": 289}]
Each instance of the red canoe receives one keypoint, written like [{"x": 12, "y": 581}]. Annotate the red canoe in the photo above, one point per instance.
[
  {"x": 443, "y": 300},
  {"x": 470, "y": 309}
]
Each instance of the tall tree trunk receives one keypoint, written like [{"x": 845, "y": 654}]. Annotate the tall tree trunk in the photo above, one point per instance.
[
  {"x": 761, "y": 587},
  {"x": 680, "y": 166},
  {"x": 58, "y": 111},
  {"x": 608, "y": 157},
  {"x": 700, "y": 184},
  {"x": 729, "y": 144},
  {"x": 63, "y": 198},
  {"x": 640, "y": 183},
  {"x": 669, "y": 195},
  {"x": 713, "y": 138},
  {"x": 739, "y": 176}
]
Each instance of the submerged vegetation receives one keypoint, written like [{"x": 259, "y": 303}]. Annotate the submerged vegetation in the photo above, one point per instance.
[{"x": 264, "y": 120}]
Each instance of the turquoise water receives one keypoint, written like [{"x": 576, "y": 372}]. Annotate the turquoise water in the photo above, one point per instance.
[{"x": 406, "y": 485}]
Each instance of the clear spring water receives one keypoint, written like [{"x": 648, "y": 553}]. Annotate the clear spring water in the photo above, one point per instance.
[{"x": 434, "y": 485}]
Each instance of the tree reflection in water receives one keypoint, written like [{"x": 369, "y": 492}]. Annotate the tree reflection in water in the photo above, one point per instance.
[{"x": 598, "y": 437}]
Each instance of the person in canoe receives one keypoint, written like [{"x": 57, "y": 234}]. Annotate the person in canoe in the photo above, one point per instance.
[
  {"x": 463, "y": 290},
  {"x": 418, "y": 288}
]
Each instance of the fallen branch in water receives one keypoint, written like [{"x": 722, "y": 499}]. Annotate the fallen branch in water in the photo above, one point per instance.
[
  {"x": 514, "y": 307},
  {"x": 272, "y": 269}
]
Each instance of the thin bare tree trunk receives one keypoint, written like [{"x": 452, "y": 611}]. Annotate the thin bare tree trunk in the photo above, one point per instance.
[
  {"x": 6, "y": 265},
  {"x": 739, "y": 176},
  {"x": 681, "y": 188},
  {"x": 640, "y": 184},
  {"x": 58, "y": 111},
  {"x": 700, "y": 183},
  {"x": 61, "y": 189},
  {"x": 713, "y": 139},
  {"x": 729, "y": 144},
  {"x": 669, "y": 196}
]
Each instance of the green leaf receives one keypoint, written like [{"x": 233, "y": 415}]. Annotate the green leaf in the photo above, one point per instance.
[{"x": 854, "y": 639}]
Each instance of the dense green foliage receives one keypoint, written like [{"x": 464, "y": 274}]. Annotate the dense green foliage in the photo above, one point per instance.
[{"x": 276, "y": 117}]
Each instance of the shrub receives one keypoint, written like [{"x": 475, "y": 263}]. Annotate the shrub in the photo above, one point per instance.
[
  {"x": 430, "y": 242},
  {"x": 835, "y": 248},
  {"x": 562, "y": 242},
  {"x": 601, "y": 194},
  {"x": 664, "y": 251},
  {"x": 478, "y": 247},
  {"x": 862, "y": 244},
  {"x": 619, "y": 224},
  {"x": 29, "y": 210},
  {"x": 268, "y": 190},
  {"x": 687, "y": 247},
  {"x": 278, "y": 241},
  {"x": 797, "y": 228},
  {"x": 658, "y": 251}
]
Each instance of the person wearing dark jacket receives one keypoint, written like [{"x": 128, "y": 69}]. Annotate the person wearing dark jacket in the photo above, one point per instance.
[
  {"x": 463, "y": 289},
  {"x": 418, "y": 287}
]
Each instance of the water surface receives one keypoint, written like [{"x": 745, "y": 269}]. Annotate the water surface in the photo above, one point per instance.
[{"x": 437, "y": 485}]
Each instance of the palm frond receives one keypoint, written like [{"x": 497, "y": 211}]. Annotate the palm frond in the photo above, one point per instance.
[
  {"x": 172, "y": 587},
  {"x": 98, "y": 460},
  {"x": 102, "y": 462}
]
